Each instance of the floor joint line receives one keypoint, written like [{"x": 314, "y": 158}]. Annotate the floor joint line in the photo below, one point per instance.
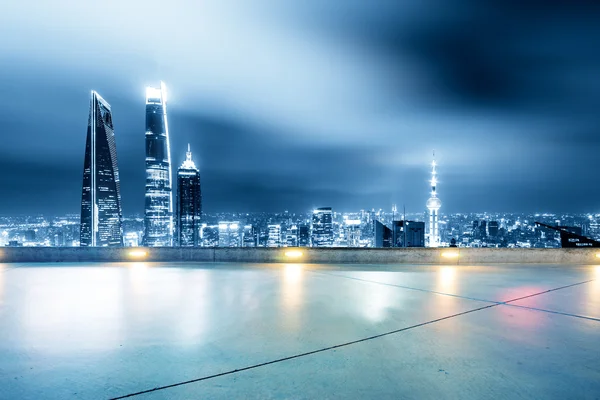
[
  {"x": 406, "y": 287},
  {"x": 492, "y": 305},
  {"x": 474, "y": 298}
]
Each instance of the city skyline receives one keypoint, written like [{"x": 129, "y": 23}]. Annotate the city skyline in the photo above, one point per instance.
[{"x": 306, "y": 106}]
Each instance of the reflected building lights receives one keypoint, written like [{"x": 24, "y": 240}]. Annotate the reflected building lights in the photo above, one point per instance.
[
  {"x": 293, "y": 273},
  {"x": 94, "y": 299},
  {"x": 446, "y": 281},
  {"x": 138, "y": 272},
  {"x": 592, "y": 300},
  {"x": 291, "y": 295}
]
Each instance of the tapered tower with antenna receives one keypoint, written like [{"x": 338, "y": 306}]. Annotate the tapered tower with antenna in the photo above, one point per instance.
[{"x": 433, "y": 205}]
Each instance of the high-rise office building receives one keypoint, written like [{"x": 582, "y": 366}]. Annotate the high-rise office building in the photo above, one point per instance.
[
  {"x": 209, "y": 234},
  {"x": 249, "y": 236},
  {"x": 274, "y": 239},
  {"x": 322, "y": 227},
  {"x": 229, "y": 234},
  {"x": 382, "y": 235},
  {"x": 483, "y": 229},
  {"x": 189, "y": 203},
  {"x": 158, "y": 220},
  {"x": 291, "y": 236},
  {"x": 101, "y": 216},
  {"x": 493, "y": 228},
  {"x": 433, "y": 205},
  {"x": 303, "y": 236},
  {"x": 408, "y": 234}
]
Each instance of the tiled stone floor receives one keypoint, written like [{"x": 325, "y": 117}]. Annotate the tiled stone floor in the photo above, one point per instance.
[{"x": 180, "y": 331}]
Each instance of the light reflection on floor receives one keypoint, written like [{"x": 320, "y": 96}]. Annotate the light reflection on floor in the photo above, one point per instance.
[{"x": 111, "y": 330}]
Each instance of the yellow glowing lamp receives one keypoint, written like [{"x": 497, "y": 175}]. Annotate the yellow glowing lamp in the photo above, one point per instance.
[
  {"x": 293, "y": 254},
  {"x": 138, "y": 253},
  {"x": 450, "y": 254}
]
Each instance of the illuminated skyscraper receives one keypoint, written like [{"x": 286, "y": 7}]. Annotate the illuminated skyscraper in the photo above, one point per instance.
[
  {"x": 249, "y": 236},
  {"x": 158, "y": 221},
  {"x": 322, "y": 227},
  {"x": 303, "y": 236},
  {"x": 433, "y": 205},
  {"x": 229, "y": 234},
  {"x": 189, "y": 203},
  {"x": 101, "y": 217},
  {"x": 274, "y": 239}
]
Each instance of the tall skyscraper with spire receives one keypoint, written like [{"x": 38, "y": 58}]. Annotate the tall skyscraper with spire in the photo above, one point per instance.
[
  {"x": 158, "y": 218},
  {"x": 101, "y": 216},
  {"x": 433, "y": 205},
  {"x": 189, "y": 203}
]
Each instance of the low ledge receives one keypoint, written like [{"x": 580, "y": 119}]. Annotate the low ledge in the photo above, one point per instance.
[{"x": 302, "y": 255}]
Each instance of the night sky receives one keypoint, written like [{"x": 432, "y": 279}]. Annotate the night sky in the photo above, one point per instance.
[{"x": 295, "y": 105}]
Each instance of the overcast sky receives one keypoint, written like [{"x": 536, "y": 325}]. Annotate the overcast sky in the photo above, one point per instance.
[{"x": 295, "y": 105}]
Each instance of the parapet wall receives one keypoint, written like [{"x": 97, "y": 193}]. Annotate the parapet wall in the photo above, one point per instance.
[{"x": 304, "y": 255}]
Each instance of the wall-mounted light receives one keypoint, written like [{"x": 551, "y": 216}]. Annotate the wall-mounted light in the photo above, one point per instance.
[
  {"x": 450, "y": 254},
  {"x": 293, "y": 254},
  {"x": 137, "y": 253}
]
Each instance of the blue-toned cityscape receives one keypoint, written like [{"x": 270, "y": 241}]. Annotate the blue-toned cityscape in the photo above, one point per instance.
[
  {"x": 101, "y": 221},
  {"x": 354, "y": 229}
]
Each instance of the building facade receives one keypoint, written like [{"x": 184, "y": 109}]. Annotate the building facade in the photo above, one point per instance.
[
  {"x": 229, "y": 234},
  {"x": 303, "y": 236},
  {"x": 408, "y": 234},
  {"x": 322, "y": 227},
  {"x": 209, "y": 235},
  {"x": 101, "y": 215},
  {"x": 382, "y": 235},
  {"x": 249, "y": 237},
  {"x": 189, "y": 203},
  {"x": 158, "y": 217},
  {"x": 274, "y": 239}
]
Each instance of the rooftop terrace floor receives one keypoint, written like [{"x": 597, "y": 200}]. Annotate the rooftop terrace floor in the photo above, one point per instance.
[{"x": 180, "y": 331}]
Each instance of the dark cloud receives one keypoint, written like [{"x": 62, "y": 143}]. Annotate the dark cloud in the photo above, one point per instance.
[{"x": 291, "y": 106}]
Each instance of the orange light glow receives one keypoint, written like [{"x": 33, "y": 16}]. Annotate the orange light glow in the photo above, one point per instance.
[
  {"x": 293, "y": 254},
  {"x": 450, "y": 254},
  {"x": 138, "y": 253},
  {"x": 293, "y": 273}
]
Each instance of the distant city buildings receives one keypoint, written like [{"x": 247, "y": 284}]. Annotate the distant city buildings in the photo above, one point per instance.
[
  {"x": 209, "y": 235},
  {"x": 382, "y": 235},
  {"x": 101, "y": 216},
  {"x": 158, "y": 229},
  {"x": 189, "y": 203},
  {"x": 274, "y": 238},
  {"x": 408, "y": 234},
  {"x": 375, "y": 229},
  {"x": 291, "y": 236},
  {"x": 351, "y": 236},
  {"x": 493, "y": 229},
  {"x": 229, "y": 234},
  {"x": 101, "y": 223},
  {"x": 322, "y": 227},
  {"x": 303, "y": 236},
  {"x": 249, "y": 236}
]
